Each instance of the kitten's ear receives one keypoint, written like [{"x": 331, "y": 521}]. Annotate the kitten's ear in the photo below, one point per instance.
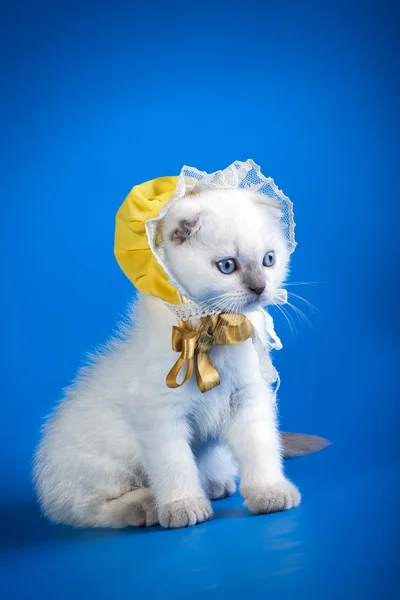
[
  {"x": 271, "y": 204},
  {"x": 186, "y": 228}
]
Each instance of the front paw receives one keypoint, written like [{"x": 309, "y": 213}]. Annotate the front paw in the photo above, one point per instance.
[
  {"x": 275, "y": 497},
  {"x": 185, "y": 512},
  {"x": 216, "y": 490}
]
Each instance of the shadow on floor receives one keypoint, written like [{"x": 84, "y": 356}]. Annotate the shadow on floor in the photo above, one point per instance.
[{"x": 21, "y": 525}]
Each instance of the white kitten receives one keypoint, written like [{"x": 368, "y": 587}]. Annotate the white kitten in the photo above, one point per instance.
[{"x": 124, "y": 449}]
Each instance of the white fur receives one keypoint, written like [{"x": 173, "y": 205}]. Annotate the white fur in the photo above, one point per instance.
[{"x": 124, "y": 449}]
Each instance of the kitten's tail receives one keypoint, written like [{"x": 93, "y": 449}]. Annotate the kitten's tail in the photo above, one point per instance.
[{"x": 300, "y": 444}]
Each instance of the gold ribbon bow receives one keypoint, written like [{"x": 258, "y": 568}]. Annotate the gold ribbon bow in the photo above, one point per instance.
[{"x": 193, "y": 344}]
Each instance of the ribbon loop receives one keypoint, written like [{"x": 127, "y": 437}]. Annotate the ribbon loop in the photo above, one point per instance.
[
  {"x": 194, "y": 344},
  {"x": 184, "y": 341},
  {"x": 207, "y": 376}
]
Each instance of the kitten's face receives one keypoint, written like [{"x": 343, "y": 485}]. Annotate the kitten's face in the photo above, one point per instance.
[{"x": 226, "y": 249}]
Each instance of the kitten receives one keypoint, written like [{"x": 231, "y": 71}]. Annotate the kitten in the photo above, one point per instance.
[{"x": 122, "y": 449}]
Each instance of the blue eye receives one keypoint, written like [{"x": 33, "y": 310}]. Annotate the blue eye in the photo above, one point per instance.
[
  {"x": 227, "y": 265},
  {"x": 269, "y": 259}
]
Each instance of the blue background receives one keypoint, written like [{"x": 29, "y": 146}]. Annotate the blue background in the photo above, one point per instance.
[{"x": 97, "y": 97}]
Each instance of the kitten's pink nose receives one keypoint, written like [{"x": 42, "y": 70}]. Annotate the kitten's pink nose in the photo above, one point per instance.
[{"x": 258, "y": 289}]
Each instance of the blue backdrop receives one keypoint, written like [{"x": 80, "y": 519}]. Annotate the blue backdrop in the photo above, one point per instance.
[{"x": 97, "y": 97}]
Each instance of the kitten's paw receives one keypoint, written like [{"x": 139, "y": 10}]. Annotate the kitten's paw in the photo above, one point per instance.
[
  {"x": 142, "y": 511},
  {"x": 185, "y": 512},
  {"x": 278, "y": 496},
  {"x": 216, "y": 490}
]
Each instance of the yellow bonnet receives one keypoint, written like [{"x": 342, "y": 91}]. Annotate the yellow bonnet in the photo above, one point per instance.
[{"x": 131, "y": 246}]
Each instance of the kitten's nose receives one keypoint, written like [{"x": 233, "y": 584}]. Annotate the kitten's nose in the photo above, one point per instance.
[{"x": 257, "y": 289}]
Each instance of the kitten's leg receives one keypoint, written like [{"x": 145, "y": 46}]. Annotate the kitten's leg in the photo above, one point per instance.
[
  {"x": 136, "y": 508},
  {"x": 218, "y": 471},
  {"x": 173, "y": 474},
  {"x": 254, "y": 439}
]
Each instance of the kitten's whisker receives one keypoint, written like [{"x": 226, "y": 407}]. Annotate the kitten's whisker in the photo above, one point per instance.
[
  {"x": 288, "y": 320},
  {"x": 219, "y": 296},
  {"x": 211, "y": 303},
  {"x": 310, "y": 304},
  {"x": 301, "y": 283},
  {"x": 301, "y": 315}
]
